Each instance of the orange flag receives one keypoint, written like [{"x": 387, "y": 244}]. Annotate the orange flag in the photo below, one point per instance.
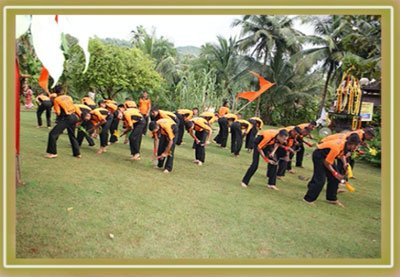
[
  {"x": 252, "y": 95},
  {"x": 44, "y": 79}
]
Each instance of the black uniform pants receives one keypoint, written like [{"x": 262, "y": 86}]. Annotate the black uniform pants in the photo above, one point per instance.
[
  {"x": 181, "y": 129},
  {"x": 317, "y": 182},
  {"x": 167, "y": 162},
  {"x": 256, "y": 158},
  {"x": 88, "y": 127},
  {"x": 223, "y": 133},
  {"x": 146, "y": 123},
  {"x": 299, "y": 154},
  {"x": 105, "y": 127},
  {"x": 282, "y": 163},
  {"x": 289, "y": 163},
  {"x": 65, "y": 122},
  {"x": 114, "y": 128},
  {"x": 135, "y": 137},
  {"x": 200, "y": 151},
  {"x": 272, "y": 169},
  {"x": 251, "y": 136},
  {"x": 236, "y": 138},
  {"x": 44, "y": 106}
]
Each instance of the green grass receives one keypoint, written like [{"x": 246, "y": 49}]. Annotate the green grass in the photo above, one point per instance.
[{"x": 194, "y": 212}]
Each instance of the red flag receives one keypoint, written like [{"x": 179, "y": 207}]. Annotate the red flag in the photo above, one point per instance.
[
  {"x": 252, "y": 95},
  {"x": 44, "y": 80},
  {"x": 17, "y": 105}
]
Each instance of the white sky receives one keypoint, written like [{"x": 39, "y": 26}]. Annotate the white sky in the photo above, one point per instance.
[{"x": 182, "y": 30}]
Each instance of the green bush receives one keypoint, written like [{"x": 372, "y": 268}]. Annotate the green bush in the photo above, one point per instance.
[{"x": 375, "y": 143}]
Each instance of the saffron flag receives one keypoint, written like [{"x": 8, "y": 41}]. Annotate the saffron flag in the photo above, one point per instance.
[
  {"x": 44, "y": 80},
  {"x": 252, "y": 95}
]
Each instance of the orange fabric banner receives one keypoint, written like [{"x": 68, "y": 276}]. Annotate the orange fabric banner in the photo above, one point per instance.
[
  {"x": 44, "y": 79},
  {"x": 252, "y": 95}
]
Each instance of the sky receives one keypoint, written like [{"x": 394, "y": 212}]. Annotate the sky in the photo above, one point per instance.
[{"x": 182, "y": 30}]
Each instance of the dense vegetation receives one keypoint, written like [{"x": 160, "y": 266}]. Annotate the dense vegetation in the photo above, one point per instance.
[{"x": 305, "y": 68}]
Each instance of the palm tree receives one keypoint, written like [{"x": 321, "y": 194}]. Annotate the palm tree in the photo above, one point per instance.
[
  {"x": 224, "y": 58},
  {"x": 328, "y": 50},
  {"x": 268, "y": 37}
]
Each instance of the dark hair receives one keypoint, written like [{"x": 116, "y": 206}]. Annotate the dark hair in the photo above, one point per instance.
[
  {"x": 283, "y": 133},
  {"x": 370, "y": 131},
  {"x": 297, "y": 129},
  {"x": 195, "y": 108},
  {"x": 225, "y": 102},
  {"x": 83, "y": 114},
  {"x": 353, "y": 139},
  {"x": 154, "y": 109},
  {"x": 188, "y": 125},
  {"x": 152, "y": 126},
  {"x": 100, "y": 102},
  {"x": 313, "y": 122},
  {"x": 58, "y": 89},
  {"x": 121, "y": 106},
  {"x": 128, "y": 98}
]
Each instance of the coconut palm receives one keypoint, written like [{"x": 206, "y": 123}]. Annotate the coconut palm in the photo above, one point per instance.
[
  {"x": 230, "y": 67},
  {"x": 267, "y": 37},
  {"x": 328, "y": 47}
]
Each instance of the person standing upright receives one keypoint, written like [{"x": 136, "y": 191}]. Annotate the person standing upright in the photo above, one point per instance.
[
  {"x": 224, "y": 109},
  {"x": 144, "y": 108}
]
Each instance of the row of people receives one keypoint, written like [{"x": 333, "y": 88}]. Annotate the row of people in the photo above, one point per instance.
[
  {"x": 277, "y": 147},
  {"x": 331, "y": 159}
]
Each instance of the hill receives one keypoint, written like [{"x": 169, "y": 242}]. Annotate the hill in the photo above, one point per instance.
[{"x": 188, "y": 51}]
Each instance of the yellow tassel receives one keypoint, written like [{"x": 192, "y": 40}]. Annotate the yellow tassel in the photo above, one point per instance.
[
  {"x": 349, "y": 171},
  {"x": 350, "y": 187},
  {"x": 372, "y": 151}
]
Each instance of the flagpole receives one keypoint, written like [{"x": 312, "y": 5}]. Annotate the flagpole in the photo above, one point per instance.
[{"x": 244, "y": 106}]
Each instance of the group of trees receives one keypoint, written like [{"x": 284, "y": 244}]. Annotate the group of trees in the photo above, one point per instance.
[{"x": 305, "y": 68}]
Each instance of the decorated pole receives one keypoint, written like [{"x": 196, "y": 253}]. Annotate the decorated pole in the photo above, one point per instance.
[{"x": 17, "y": 123}]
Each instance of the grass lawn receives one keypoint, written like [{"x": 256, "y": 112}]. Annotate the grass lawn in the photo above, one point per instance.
[{"x": 194, "y": 212}]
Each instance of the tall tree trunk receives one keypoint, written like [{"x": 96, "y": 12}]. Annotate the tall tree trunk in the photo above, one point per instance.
[
  {"x": 257, "y": 113},
  {"x": 328, "y": 77}
]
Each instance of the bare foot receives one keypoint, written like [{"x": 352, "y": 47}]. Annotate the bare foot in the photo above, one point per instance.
[
  {"x": 272, "y": 187},
  {"x": 336, "y": 202},
  {"x": 51, "y": 156},
  {"x": 309, "y": 203},
  {"x": 244, "y": 185}
]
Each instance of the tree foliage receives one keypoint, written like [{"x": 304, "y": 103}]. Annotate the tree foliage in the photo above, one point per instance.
[{"x": 112, "y": 69}]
